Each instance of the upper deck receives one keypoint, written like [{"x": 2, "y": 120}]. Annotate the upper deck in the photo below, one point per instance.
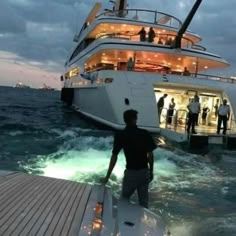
[
  {"x": 109, "y": 22},
  {"x": 112, "y": 37}
]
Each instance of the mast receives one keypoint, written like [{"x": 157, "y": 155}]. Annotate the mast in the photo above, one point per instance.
[
  {"x": 183, "y": 28},
  {"x": 120, "y": 6}
]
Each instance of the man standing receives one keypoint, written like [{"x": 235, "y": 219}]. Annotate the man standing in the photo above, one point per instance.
[
  {"x": 138, "y": 146},
  {"x": 194, "y": 109},
  {"x": 142, "y": 34},
  {"x": 223, "y": 115},
  {"x": 160, "y": 105}
]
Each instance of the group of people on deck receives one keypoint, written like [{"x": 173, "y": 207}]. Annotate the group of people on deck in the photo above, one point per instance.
[
  {"x": 194, "y": 109},
  {"x": 150, "y": 36}
]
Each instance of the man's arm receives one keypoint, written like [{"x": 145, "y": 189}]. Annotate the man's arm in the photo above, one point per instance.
[
  {"x": 110, "y": 169},
  {"x": 150, "y": 163},
  {"x": 228, "y": 113}
]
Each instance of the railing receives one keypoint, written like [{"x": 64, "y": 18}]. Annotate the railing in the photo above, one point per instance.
[
  {"x": 214, "y": 77},
  {"x": 165, "y": 39},
  {"x": 153, "y": 69},
  {"x": 148, "y": 16},
  {"x": 180, "y": 120}
]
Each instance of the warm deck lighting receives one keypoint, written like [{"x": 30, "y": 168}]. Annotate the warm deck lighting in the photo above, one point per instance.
[{"x": 97, "y": 221}]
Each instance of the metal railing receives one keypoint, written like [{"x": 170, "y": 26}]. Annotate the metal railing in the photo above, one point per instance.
[
  {"x": 180, "y": 120},
  {"x": 148, "y": 16},
  {"x": 188, "y": 43}
]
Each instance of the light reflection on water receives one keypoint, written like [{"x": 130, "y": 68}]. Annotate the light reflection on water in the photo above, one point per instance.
[
  {"x": 188, "y": 190},
  {"x": 195, "y": 194}
]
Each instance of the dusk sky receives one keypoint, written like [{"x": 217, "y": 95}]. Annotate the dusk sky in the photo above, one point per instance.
[{"x": 36, "y": 36}]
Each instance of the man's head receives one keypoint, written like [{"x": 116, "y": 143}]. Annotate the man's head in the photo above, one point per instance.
[
  {"x": 165, "y": 95},
  {"x": 196, "y": 98},
  {"x": 130, "y": 117},
  {"x": 224, "y": 101}
]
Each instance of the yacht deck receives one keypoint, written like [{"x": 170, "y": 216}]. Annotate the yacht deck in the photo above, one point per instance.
[
  {"x": 35, "y": 205},
  {"x": 206, "y": 135}
]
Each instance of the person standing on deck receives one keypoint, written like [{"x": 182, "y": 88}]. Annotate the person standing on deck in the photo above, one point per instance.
[
  {"x": 130, "y": 64},
  {"x": 142, "y": 35},
  {"x": 205, "y": 111},
  {"x": 216, "y": 107},
  {"x": 151, "y": 35},
  {"x": 160, "y": 105},
  {"x": 170, "y": 111},
  {"x": 223, "y": 116},
  {"x": 138, "y": 146},
  {"x": 194, "y": 109}
]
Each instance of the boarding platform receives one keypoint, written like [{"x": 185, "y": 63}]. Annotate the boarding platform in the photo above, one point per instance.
[
  {"x": 33, "y": 205},
  {"x": 205, "y": 137}
]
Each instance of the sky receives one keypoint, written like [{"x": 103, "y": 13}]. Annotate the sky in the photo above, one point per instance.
[{"x": 37, "y": 35}]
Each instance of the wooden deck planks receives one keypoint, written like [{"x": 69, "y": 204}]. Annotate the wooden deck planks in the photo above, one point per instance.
[
  {"x": 36, "y": 206},
  {"x": 80, "y": 207},
  {"x": 65, "y": 222},
  {"x": 17, "y": 204},
  {"x": 53, "y": 219},
  {"x": 40, "y": 212},
  {"x": 24, "y": 214}
]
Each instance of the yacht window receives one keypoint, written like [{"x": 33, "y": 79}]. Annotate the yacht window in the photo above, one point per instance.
[{"x": 126, "y": 101}]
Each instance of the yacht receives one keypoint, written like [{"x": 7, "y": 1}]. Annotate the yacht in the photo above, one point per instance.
[
  {"x": 46, "y": 87},
  {"x": 21, "y": 85},
  {"x": 114, "y": 67}
]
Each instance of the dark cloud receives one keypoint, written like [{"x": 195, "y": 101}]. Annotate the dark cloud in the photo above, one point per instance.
[
  {"x": 10, "y": 21},
  {"x": 43, "y": 30}
]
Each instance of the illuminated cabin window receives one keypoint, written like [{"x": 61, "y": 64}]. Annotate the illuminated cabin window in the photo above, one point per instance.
[{"x": 74, "y": 72}]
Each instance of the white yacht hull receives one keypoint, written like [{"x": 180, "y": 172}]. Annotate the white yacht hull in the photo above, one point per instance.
[{"x": 106, "y": 102}]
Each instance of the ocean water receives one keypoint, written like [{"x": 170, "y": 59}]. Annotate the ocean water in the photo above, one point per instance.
[{"x": 194, "y": 193}]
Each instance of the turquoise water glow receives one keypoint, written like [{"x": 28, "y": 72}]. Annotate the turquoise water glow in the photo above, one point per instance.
[{"x": 195, "y": 194}]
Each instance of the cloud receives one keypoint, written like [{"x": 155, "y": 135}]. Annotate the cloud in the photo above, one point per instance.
[{"x": 10, "y": 21}]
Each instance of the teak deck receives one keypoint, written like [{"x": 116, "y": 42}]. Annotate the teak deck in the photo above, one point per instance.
[{"x": 34, "y": 205}]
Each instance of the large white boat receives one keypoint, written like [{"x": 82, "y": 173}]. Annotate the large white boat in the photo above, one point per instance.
[
  {"x": 46, "y": 87},
  {"x": 101, "y": 83},
  {"x": 21, "y": 85}
]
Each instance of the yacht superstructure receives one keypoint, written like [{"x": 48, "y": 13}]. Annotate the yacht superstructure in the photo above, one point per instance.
[{"x": 112, "y": 69}]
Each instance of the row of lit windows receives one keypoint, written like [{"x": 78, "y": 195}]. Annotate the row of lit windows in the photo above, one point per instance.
[{"x": 96, "y": 81}]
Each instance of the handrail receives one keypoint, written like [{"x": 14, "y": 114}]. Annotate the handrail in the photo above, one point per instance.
[
  {"x": 193, "y": 75},
  {"x": 215, "y": 77},
  {"x": 127, "y": 36},
  {"x": 137, "y": 10},
  {"x": 176, "y": 118}
]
